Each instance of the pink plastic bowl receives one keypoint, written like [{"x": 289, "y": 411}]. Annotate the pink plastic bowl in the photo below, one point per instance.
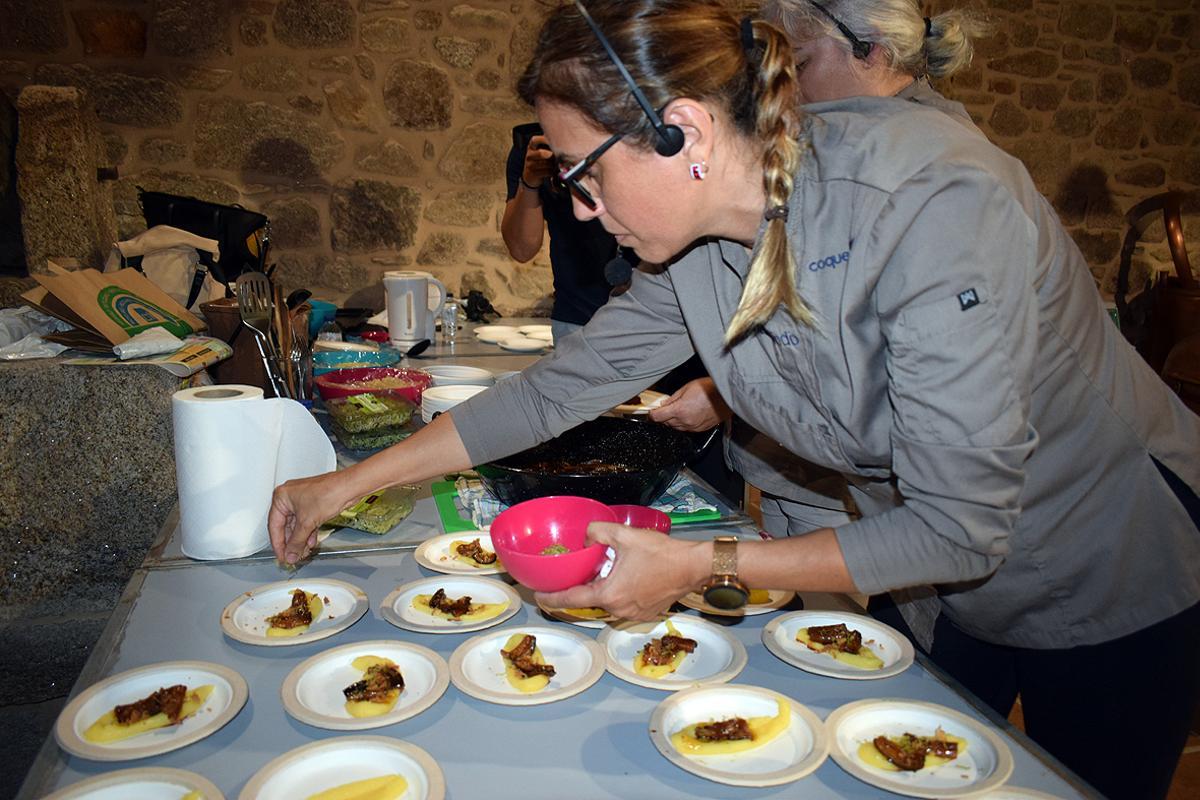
[
  {"x": 521, "y": 532},
  {"x": 643, "y": 517},
  {"x": 345, "y": 382}
]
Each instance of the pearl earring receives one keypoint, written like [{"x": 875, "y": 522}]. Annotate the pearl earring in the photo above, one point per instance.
[{"x": 699, "y": 170}]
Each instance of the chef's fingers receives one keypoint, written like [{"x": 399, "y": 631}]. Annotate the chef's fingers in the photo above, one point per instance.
[
  {"x": 279, "y": 522},
  {"x": 582, "y": 596},
  {"x": 604, "y": 532}
]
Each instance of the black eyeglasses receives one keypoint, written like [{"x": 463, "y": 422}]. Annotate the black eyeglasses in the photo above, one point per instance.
[
  {"x": 858, "y": 47},
  {"x": 571, "y": 176}
]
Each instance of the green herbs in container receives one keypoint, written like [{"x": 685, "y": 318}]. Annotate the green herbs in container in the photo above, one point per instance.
[
  {"x": 378, "y": 512},
  {"x": 373, "y": 439},
  {"x": 369, "y": 412}
]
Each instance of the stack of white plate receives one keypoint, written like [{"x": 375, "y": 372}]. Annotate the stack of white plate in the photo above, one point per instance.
[
  {"x": 494, "y": 333},
  {"x": 437, "y": 399},
  {"x": 457, "y": 375}
]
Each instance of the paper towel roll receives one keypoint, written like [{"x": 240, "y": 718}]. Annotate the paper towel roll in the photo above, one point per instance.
[{"x": 232, "y": 448}]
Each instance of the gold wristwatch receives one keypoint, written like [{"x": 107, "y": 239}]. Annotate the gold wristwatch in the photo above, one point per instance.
[{"x": 724, "y": 590}]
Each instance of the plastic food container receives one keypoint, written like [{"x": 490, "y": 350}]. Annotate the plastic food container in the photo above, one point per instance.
[
  {"x": 325, "y": 361},
  {"x": 524, "y": 533},
  {"x": 403, "y": 382},
  {"x": 369, "y": 412}
]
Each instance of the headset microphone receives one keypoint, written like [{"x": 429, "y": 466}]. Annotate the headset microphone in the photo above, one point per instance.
[
  {"x": 619, "y": 270},
  {"x": 670, "y": 137}
]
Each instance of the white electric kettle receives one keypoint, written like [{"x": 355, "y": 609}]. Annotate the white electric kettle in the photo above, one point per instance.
[{"x": 414, "y": 301}]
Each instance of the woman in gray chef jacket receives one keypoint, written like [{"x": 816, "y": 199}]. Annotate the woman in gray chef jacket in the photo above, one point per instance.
[{"x": 886, "y": 294}]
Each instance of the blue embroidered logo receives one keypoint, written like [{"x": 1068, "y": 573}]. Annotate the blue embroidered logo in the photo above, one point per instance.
[
  {"x": 968, "y": 299},
  {"x": 829, "y": 262},
  {"x": 787, "y": 338}
]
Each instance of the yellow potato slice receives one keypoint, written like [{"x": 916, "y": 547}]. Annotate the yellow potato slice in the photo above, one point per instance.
[
  {"x": 369, "y": 708},
  {"x": 107, "y": 730},
  {"x": 517, "y": 679},
  {"x": 763, "y": 729},
  {"x": 315, "y": 607},
  {"x": 385, "y": 787},
  {"x": 479, "y": 611},
  {"x": 657, "y": 671}
]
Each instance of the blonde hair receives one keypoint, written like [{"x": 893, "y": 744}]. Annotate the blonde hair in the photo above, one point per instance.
[
  {"x": 687, "y": 48},
  {"x": 896, "y": 26}
]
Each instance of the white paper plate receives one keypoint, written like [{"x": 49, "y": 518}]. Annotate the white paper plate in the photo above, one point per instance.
[
  {"x": 227, "y": 698},
  {"x": 718, "y": 657},
  {"x": 649, "y": 400},
  {"x": 323, "y": 765},
  {"x": 312, "y": 692},
  {"x": 477, "y": 668},
  {"x": 1016, "y": 793},
  {"x": 444, "y": 398},
  {"x": 545, "y": 336},
  {"x": 459, "y": 375},
  {"x": 530, "y": 330},
  {"x": 562, "y": 615},
  {"x": 984, "y": 766},
  {"x": 143, "y": 783},
  {"x": 435, "y": 554},
  {"x": 354, "y": 347},
  {"x": 522, "y": 344},
  {"x": 397, "y": 607},
  {"x": 886, "y": 642},
  {"x": 793, "y": 754},
  {"x": 245, "y": 618},
  {"x": 494, "y": 333},
  {"x": 778, "y": 598}
]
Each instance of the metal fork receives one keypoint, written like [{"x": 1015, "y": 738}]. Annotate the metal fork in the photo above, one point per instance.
[{"x": 254, "y": 303}]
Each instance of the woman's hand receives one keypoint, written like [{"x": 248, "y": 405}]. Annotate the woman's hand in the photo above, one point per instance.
[
  {"x": 297, "y": 509},
  {"x": 539, "y": 161},
  {"x": 651, "y": 571},
  {"x": 697, "y": 406}
]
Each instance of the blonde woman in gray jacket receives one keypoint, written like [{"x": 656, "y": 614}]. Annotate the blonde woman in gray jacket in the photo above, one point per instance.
[{"x": 886, "y": 294}]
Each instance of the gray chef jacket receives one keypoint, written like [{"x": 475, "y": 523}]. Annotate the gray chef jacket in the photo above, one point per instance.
[{"x": 962, "y": 373}]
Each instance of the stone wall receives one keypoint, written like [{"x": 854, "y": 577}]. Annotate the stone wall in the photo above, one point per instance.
[{"x": 374, "y": 132}]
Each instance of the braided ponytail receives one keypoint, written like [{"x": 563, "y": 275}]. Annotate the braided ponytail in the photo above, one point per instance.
[{"x": 771, "y": 281}]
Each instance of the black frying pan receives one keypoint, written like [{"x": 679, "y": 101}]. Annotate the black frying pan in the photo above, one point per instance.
[{"x": 613, "y": 460}]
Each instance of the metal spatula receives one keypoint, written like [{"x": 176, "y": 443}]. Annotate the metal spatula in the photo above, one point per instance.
[{"x": 255, "y": 305}]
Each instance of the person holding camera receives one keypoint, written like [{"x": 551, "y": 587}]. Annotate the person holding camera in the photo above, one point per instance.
[{"x": 579, "y": 251}]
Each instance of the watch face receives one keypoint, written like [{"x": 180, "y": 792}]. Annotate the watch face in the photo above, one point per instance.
[{"x": 725, "y": 596}]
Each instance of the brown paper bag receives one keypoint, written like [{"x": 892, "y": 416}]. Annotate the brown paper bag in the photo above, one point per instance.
[{"x": 108, "y": 308}]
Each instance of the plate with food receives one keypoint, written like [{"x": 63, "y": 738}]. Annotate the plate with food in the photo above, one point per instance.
[
  {"x": 592, "y": 617},
  {"x": 143, "y": 783},
  {"x": 646, "y": 401},
  {"x": 739, "y": 735},
  {"x": 526, "y": 665},
  {"x": 450, "y": 604},
  {"x": 459, "y": 554},
  {"x": 838, "y": 644},
  {"x": 150, "y": 710},
  {"x": 365, "y": 685},
  {"x": 293, "y": 612},
  {"x": 349, "y": 766},
  {"x": 672, "y": 654},
  {"x": 761, "y": 601},
  {"x": 494, "y": 333},
  {"x": 917, "y": 749}
]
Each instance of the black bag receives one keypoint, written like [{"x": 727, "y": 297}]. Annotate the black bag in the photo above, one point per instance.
[{"x": 230, "y": 226}]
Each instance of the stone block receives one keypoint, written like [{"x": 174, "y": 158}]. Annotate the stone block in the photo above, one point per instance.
[
  {"x": 1136, "y": 31},
  {"x": 110, "y": 32},
  {"x": 1040, "y": 96},
  {"x": 1187, "y": 85},
  {"x": 1046, "y": 157},
  {"x": 442, "y": 249},
  {"x": 457, "y": 51},
  {"x": 1082, "y": 90},
  {"x": 1174, "y": 128},
  {"x": 115, "y": 148},
  {"x": 259, "y": 139},
  {"x": 467, "y": 16},
  {"x": 1011, "y": 5},
  {"x": 294, "y": 223},
  {"x": 373, "y": 215},
  {"x": 298, "y": 271},
  {"x": 1150, "y": 73},
  {"x": 1002, "y": 86},
  {"x": 385, "y": 35},
  {"x": 427, "y": 19},
  {"x": 207, "y": 79},
  {"x": 466, "y": 208},
  {"x": 1098, "y": 248},
  {"x": 1185, "y": 167},
  {"x": 1086, "y": 20},
  {"x": 32, "y": 26},
  {"x": 1008, "y": 119},
  {"x": 417, "y": 96},
  {"x": 1031, "y": 64},
  {"x": 488, "y": 79},
  {"x": 499, "y": 107},
  {"x": 371, "y": 6},
  {"x": 477, "y": 155},
  {"x": 274, "y": 74},
  {"x": 192, "y": 28},
  {"x": 1113, "y": 87},
  {"x": 11, "y": 290},
  {"x": 252, "y": 31},
  {"x": 120, "y": 98},
  {"x": 160, "y": 150},
  {"x": 1145, "y": 174},
  {"x": 309, "y": 106},
  {"x": 65, "y": 210},
  {"x": 522, "y": 43},
  {"x": 1168, "y": 45},
  {"x": 1122, "y": 131},
  {"x": 388, "y": 158},
  {"x": 476, "y": 280},
  {"x": 494, "y": 247},
  {"x": 342, "y": 64},
  {"x": 350, "y": 104},
  {"x": 366, "y": 67},
  {"x": 1104, "y": 54},
  {"x": 1073, "y": 51},
  {"x": 307, "y": 24}
]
